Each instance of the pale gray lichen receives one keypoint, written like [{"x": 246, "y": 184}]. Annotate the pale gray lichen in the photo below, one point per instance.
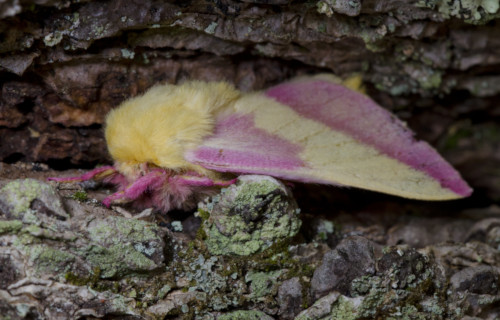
[
  {"x": 206, "y": 275},
  {"x": 324, "y": 8},
  {"x": 348, "y": 7},
  {"x": 128, "y": 54},
  {"x": 203, "y": 272},
  {"x": 210, "y": 29},
  {"x": 415, "y": 77},
  {"x": 471, "y": 11},
  {"x": 53, "y": 38},
  {"x": 249, "y": 216},
  {"x": 176, "y": 226}
]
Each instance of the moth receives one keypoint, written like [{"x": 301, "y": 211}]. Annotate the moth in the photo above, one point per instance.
[{"x": 176, "y": 144}]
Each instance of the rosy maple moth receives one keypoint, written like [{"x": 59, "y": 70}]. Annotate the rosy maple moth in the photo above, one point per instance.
[{"x": 175, "y": 144}]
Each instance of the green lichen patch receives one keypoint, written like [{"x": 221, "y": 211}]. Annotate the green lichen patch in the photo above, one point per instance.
[
  {"x": 18, "y": 197},
  {"x": 113, "y": 229},
  {"x": 249, "y": 217},
  {"x": 333, "y": 306},
  {"x": 245, "y": 315},
  {"x": 45, "y": 258},
  {"x": 163, "y": 291},
  {"x": 262, "y": 283},
  {"x": 128, "y": 54},
  {"x": 404, "y": 276},
  {"x": 210, "y": 29},
  {"x": 208, "y": 275},
  {"x": 70, "y": 23},
  {"x": 10, "y": 226},
  {"x": 232, "y": 281},
  {"x": 344, "y": 309},
  {"x": 471, "y": 11},
  {"x": 414, "y": 77},
  {"x": 117, "y": 260},
  {"x": 119, "y": 246}
]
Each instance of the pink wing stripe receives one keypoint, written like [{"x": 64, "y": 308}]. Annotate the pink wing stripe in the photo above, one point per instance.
[
  {"x": 238, "y": 143},
  {"x": 355, "y": 114}
]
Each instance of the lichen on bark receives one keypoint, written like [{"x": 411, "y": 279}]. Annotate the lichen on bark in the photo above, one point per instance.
[{"x": 64, "y": 64}]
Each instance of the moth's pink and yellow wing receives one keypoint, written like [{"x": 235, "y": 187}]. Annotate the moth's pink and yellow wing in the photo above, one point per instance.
[{"x": 313, "y": 130}]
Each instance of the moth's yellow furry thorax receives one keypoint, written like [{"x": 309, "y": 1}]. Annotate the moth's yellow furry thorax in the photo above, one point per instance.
[{"x": 159, "y": 126}]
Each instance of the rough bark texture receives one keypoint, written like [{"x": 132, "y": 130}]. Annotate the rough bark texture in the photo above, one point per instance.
[
  {"x": 65, "y": 256},
  {"x": 65, "y": 64}
]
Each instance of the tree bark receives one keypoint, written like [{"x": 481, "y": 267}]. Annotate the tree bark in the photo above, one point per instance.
[{"x": 65, "y": 64}]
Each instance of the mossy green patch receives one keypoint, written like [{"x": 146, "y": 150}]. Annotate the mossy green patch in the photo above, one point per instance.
[
  {"x": 343, "y": 309},
  {"x": 10, "y": 226},
  {"x": 113, "y": 229},
  {"x": 49, "y": 259},
  {"x": 117, "y": 260},
  {"x": 123, "y": 245},
  {"x": 79, "y": 196},
  {"x": 245, "y": 315},
  {"x": 163, "y": 291},
  {"x": 93, "y": 280},
  {"x": 203, "y": 214},
  {"x": 19, "y": 194},
  {"x": 262, "y": 283}
]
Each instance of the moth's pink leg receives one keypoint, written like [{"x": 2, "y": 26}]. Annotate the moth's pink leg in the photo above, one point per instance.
[
  {"x": 97, "y": 172},
  {"x": 201, "y": 181},
  {"x": 150, "y": 181}
]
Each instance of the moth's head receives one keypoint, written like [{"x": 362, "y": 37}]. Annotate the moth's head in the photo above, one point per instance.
[{"x": 126, "y": 138}]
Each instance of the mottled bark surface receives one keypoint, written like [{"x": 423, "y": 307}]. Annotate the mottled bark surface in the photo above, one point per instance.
[
  {"x": 64, "y": 256},
  {"x": 65, "y": 64}
]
